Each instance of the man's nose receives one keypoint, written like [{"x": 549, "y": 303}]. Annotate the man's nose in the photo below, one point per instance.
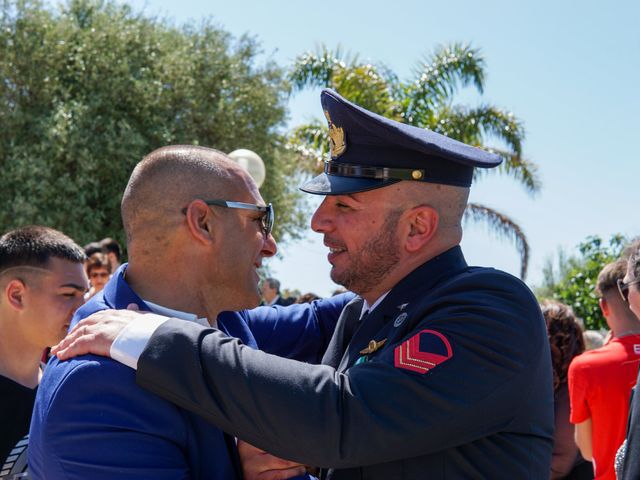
[
  {"x": 320, "y": 221},
  {"x": 269, "y": 247}
]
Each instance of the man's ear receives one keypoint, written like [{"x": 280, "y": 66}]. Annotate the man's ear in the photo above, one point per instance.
[
  {"x": 199, "y": 222},
  {"x": 14, "y": 294},
  {"x": 423, "y": 224},
  {"x": 605, "y": 308}
]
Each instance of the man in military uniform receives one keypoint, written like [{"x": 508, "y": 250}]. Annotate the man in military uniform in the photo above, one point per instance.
[{"x": 437, "y": 370}]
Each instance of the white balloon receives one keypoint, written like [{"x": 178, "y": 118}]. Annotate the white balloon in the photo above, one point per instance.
[{"x": 251, "y": 162}]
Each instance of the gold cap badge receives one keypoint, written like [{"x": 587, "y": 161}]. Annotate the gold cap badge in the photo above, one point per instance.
[{"x": 337, "y": 140}]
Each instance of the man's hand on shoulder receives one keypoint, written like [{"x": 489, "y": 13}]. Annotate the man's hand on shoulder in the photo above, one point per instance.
[{"x": 96, "y": 333}]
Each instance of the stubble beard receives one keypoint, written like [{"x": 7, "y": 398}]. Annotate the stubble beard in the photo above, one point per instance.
[{"x": 377, "y": 257}]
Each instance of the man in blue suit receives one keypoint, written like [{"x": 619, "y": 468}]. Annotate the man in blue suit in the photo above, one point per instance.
[
  {"x": 189, "y": 214},
  {"x": 436, "y": 370}
]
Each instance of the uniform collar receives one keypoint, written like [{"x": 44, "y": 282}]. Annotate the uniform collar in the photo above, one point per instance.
[
  {"x": 368, "y": 308},
  {"x": 420, "y": 281},
  {"x": 430, "y": 273}
]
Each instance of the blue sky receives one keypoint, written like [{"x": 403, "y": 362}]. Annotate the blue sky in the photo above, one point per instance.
[{"x": 569, "y": 70}]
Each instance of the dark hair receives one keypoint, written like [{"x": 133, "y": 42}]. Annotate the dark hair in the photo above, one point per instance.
[
  {"x": 97, "y": 260},
  {"x": 34, "y": 245},
  {"x": 307, "y": 298},
  {"x": 273, "y": 284},
  {"x": 91, "y": 248},
  {"x": 609, "y": 276},
  {"x": 565, "y": 338},
  {"x": 109, "y": 245}
]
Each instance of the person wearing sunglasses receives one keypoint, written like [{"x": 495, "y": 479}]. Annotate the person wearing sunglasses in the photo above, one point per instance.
[
  {"x": 197, "y": 232},
  {"x": 629, "y": 289},
  {"x": 629, "y": 294},
  {"x": 98, "y": 270},
  {"x": 600, "y": 380},
  {"x": 436, "y": 370}
]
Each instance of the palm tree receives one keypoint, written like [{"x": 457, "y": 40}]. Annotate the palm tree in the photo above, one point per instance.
[{"x": 424, "y": 101}]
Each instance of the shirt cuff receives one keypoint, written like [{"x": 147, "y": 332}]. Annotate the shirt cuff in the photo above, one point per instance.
[{"x": 132, "y": 340}]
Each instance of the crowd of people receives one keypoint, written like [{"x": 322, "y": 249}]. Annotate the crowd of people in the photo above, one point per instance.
[
  {"x": 593, "y": 386},
  {"x": 424, "y": 367}
]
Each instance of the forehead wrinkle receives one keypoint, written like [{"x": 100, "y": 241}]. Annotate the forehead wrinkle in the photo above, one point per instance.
[{"x": 354, "y": 196}]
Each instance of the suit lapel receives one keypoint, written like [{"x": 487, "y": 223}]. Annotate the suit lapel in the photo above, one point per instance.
[
  {"x": 367, "y": 330},
  {"x": 344, "y": 330}
]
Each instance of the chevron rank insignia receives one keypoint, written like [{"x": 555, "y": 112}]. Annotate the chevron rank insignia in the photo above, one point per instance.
[{"x": 423, "y": 352}]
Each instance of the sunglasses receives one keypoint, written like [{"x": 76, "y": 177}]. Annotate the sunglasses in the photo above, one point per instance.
[
  {"x": 623, "y": 288},
  {"x": 266, "y": 219}
]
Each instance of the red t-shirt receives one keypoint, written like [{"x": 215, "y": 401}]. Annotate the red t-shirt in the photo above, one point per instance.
[{"x": 600, "y": 383}]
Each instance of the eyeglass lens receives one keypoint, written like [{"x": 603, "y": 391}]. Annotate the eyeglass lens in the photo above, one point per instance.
[
  {"x": 267, "y": 220},
  {"x": 623, "y": 288}
]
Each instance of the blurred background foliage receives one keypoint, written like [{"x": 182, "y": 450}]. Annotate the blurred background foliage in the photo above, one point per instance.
[
  {"x": 90, "y": 87},
  {"x": 571, "y": 278}
]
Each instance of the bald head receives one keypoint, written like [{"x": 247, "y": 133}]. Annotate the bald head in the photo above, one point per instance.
[{"x": 167, "y": 179}]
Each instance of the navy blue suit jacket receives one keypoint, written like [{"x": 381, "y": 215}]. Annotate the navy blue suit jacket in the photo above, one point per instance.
[{"x": 91, "y": 420}]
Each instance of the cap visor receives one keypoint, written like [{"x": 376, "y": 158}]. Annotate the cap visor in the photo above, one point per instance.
[{"x": 325, "y": 184}]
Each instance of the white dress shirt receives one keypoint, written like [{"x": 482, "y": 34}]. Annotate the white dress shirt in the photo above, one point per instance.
[{"x": 132, "y": 340}]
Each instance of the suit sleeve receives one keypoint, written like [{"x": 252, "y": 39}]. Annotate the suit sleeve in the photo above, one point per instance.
[
  {"x": 110, "y": 429},
  {"x": 300, "y": 331},
  {"x": 374, "y": 412}
]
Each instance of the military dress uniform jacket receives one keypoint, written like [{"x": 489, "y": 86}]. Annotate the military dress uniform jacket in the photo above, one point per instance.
[
  {"x": 456, "y": 385},
  {"x": 91, "y": 420}
]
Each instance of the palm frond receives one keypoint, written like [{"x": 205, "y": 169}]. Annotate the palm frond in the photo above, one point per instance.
[
  {"x": 503, "y": 226},
  {"x": 520, "y": 169},
  {"x": 474, "y": 125},
  {"x": 442, "y": 73},
  {"x": 310, "y": 143},
  {"x": 317, "y": 69},
  {"x": 367, "y": 85}
]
